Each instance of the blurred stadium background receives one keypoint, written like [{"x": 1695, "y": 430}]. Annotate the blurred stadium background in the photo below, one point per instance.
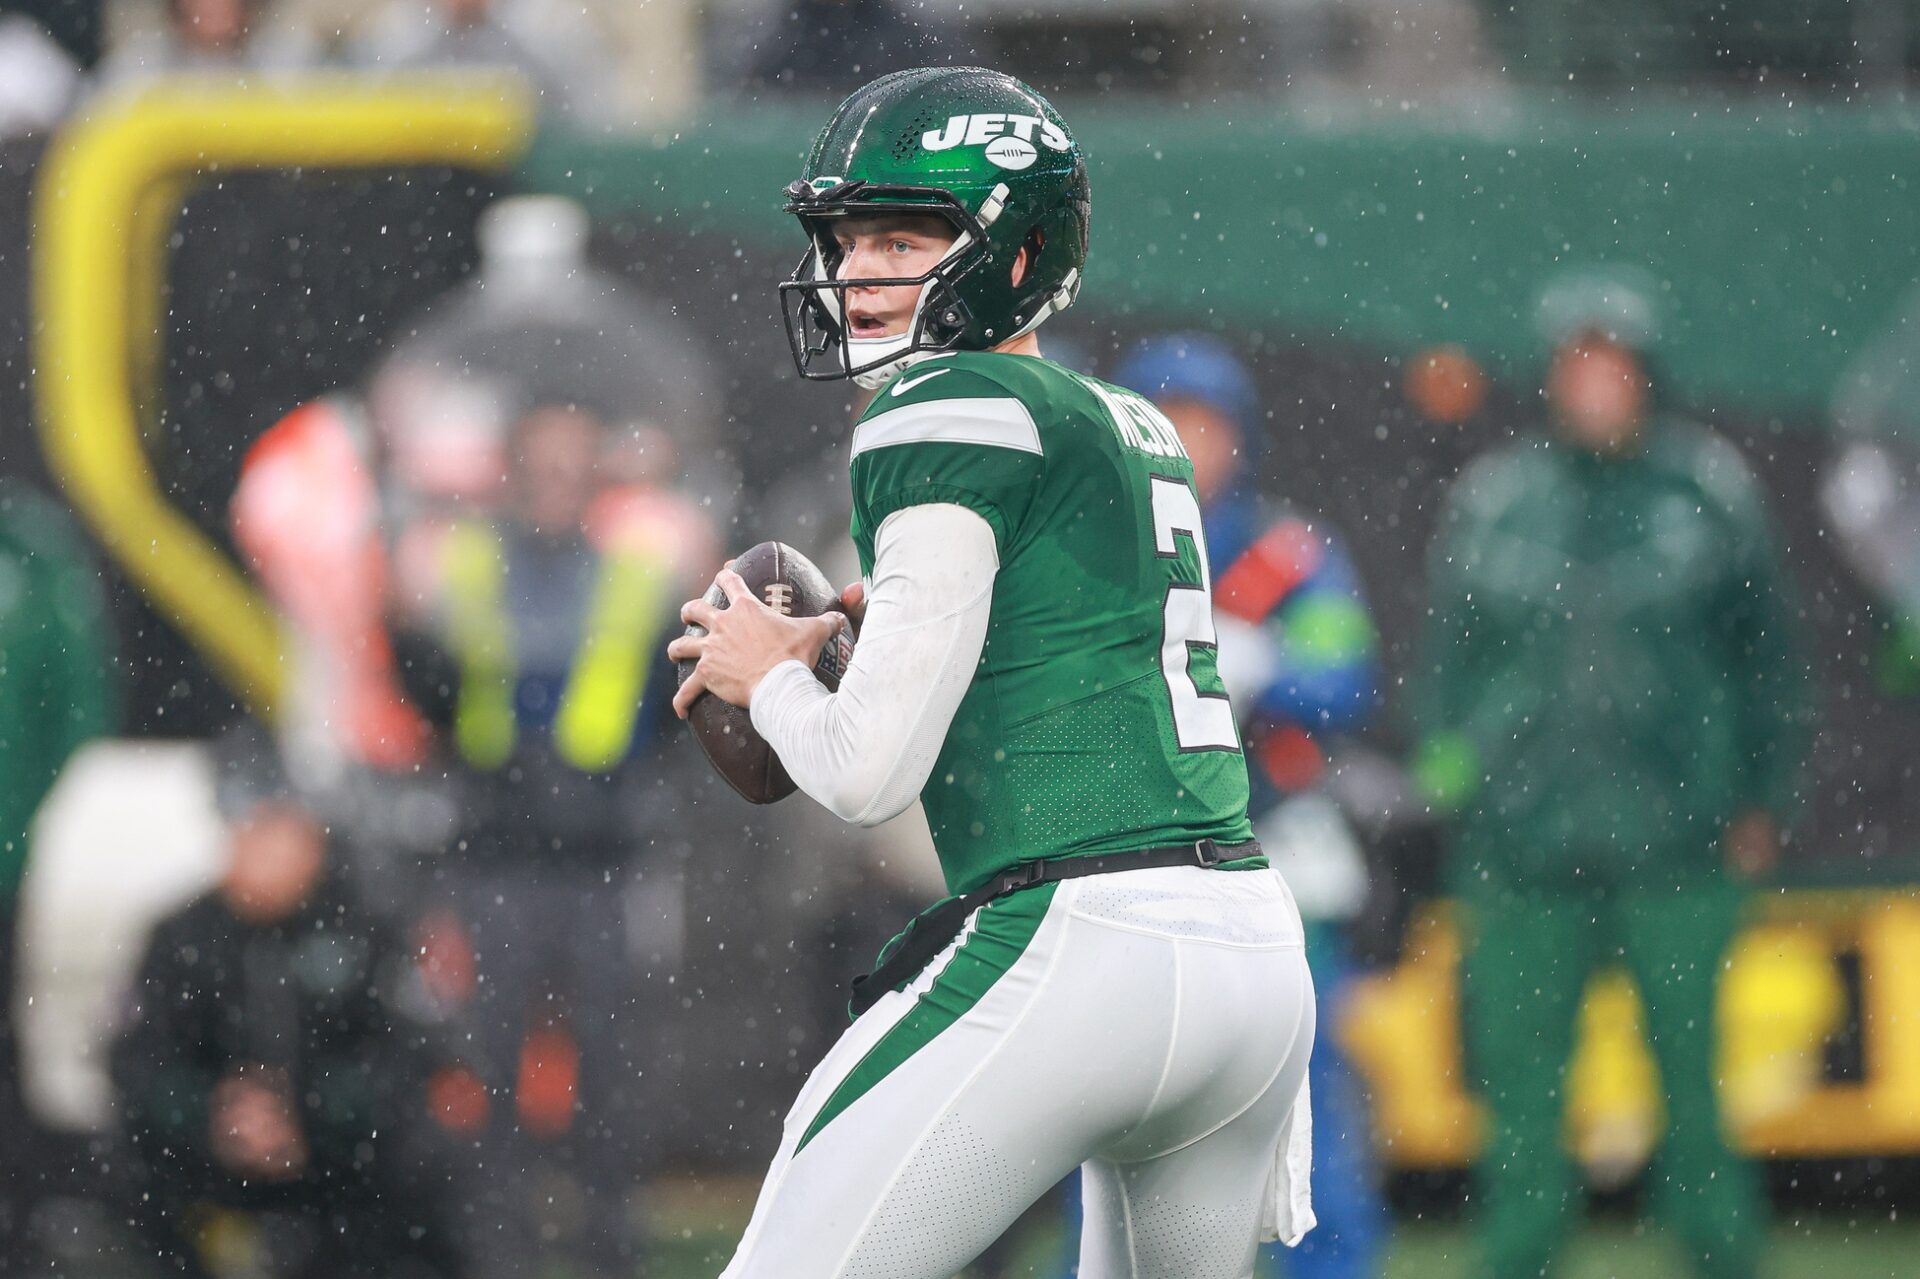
[{"x": 327, "y": 207}]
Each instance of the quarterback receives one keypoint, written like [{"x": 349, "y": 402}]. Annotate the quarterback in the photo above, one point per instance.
[{"x": 1117, "y": 982}]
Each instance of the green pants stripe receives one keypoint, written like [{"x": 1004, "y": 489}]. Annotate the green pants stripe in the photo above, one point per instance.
[{"x": 1000, "y": 934}]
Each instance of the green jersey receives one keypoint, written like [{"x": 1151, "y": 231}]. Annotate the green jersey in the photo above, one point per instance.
[{"x": 1096, "y": 721}]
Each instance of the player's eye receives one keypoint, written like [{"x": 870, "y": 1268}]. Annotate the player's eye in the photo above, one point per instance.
[{"x": 901, "y": 246}]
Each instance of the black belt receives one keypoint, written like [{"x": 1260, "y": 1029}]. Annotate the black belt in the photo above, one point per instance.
[{"x": 932, "y": 930}]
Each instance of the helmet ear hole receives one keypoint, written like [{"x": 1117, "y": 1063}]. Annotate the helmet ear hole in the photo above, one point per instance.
[{"x": 1031, "y": 246}]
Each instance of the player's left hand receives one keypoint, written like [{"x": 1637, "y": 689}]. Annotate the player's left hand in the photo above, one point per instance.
[
  {"x": 743, "y": 642},
  {"x": 853, "y": 602}
]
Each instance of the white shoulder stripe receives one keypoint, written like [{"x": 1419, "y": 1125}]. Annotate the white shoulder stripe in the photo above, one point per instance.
[{"x": 996, "y": 423}]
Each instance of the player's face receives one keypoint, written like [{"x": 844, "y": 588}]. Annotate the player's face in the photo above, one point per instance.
[
  {"x": 893, "y": 248},
  {"x": 1211, "y": 439},
  {"x": 556, "y": 454},
  {"x": 212, "y": 25},
  {"x": 277, "y": 852},
  {"x": 1598, "y": 392}
]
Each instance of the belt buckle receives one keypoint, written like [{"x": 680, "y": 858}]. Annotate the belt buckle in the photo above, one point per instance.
[
  {"x": 1208, "y": 853},
  {"x": 1026, "y": 875}
]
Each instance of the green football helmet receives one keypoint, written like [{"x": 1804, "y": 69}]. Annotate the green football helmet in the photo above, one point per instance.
[{"x": 975, "y": 147}]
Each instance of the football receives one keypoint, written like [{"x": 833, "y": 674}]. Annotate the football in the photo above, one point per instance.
[{"x": 784, "y": 580}]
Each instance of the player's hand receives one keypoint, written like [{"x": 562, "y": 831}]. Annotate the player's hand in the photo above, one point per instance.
[
  {"x": 743, "y": 642},
  {"x": 1753, "y": 844},
  {"x": 853, "y": 602}
]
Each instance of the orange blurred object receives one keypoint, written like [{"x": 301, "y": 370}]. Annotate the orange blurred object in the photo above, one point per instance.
[
  {"x": 1292, "y": 758},
  {"x": 457, "y": 1099},
  {"x": 1268, "y": 571},
  {"x": 549, "y": 1078},
  {"x": 445, "y": 959},
  {"x": 660, "y": 524},
  {"x": 1445, "y": 383},
  {"x": 306, "y": 516}
]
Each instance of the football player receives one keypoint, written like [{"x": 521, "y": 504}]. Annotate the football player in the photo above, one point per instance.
[{"x": 1118, "y": 980}]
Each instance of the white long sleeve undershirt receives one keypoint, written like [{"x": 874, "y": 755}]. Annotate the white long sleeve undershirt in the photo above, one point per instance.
[{"x": 866, "y": 751}]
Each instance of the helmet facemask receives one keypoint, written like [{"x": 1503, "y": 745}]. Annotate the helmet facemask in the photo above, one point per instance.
[
  {"x": 813, "y": 301},
  {"x": 966, "y": 144}
]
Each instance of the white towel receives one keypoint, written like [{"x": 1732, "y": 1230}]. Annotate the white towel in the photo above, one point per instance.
[{"x": 1288, "y": 1212}]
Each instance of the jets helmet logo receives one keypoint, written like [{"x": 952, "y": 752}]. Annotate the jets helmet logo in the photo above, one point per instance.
[
  {"x": 1011, "y": 153},
  {"x": 1009, "y": 139}
]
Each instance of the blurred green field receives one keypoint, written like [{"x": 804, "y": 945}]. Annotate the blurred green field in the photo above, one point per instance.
[
  {"x": 696, "y": 1222},
  {"x": 1824, "y": 1247},
  {"x": 1830, "y": 1246}
]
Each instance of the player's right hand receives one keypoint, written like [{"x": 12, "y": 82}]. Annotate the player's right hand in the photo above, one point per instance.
[
  {"x": 742, "y": 642},
  {"x": 853, "y": 602}
]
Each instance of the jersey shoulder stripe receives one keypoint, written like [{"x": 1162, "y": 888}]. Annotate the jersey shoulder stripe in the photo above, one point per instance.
[{"x": 995, "y": 423}]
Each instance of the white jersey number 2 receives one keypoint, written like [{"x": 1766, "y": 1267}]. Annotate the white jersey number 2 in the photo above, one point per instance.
[{"x": 1202, "y": 721}]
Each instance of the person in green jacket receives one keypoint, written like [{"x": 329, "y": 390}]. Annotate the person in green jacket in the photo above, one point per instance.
[
  {"x": 1614, "y": 707},
  {"x": 53, "y": 697}
]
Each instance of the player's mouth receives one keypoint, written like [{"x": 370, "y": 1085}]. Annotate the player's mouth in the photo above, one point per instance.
[
  {"x": 865, "y": 319},
  {"x": 863, "y": 324}
]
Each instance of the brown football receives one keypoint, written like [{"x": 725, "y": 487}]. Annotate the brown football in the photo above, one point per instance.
[{"x": 783, "y": 579}]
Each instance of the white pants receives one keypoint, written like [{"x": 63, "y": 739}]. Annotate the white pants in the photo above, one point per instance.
[{"x": 1151, "y": 1025}]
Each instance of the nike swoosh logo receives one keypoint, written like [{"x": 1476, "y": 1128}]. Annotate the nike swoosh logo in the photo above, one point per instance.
[{"x": 907, "y": 384}]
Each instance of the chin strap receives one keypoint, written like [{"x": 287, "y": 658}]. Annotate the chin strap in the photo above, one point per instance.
[{"x": 874, "y": 379}]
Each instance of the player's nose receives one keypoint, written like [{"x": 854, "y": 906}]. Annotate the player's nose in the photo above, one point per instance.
[{"x": 858, "y": 263}]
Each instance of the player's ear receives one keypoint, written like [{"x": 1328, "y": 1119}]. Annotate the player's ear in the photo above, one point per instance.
[{"x": 1023, "y": 261}]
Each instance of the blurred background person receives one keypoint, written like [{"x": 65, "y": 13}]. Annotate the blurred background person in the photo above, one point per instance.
[
  {"x": 1299, "y": 656},
  {"x": 234, "y": 39},
  {"x": 342, "y": 505},
  {"x": 833, "y": 46},
  {"x": 269, "y": 1073},
  {"x": 1615, "y": 708},
  {"x": 480, "y": 552},
  {"x": 553, "y": 696},
  {"x": 56, "y": 692},
  {"x": 547, "y": 44}
]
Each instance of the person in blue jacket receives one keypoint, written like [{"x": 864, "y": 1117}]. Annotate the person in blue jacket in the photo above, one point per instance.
[{"x": 1299, "y": 654}]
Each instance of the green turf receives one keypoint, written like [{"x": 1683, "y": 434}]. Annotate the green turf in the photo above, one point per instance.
[{"x": 1824, "y": 1247}]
